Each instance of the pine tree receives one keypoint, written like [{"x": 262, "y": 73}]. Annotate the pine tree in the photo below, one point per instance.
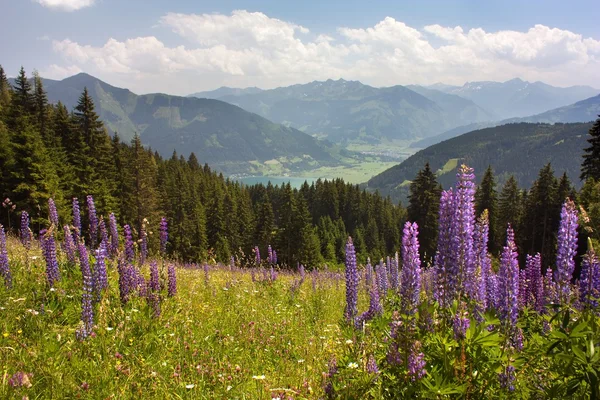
[
  {"x": 33, "y": 177},
  {"x": 486, "y": 199},
  {"x": 98, "y": 171},
  {"x": 40, "y": 100},
  {"x": 287, "y": 234},
  {"x": 143, "y": 193},
  {"x": 423, "y": 208},
  {"x": 590, "y": 168},
  {"x": 265, "y": 224},
  {"x": 22, "y": 105},
  {"x": 509, "y": 209},
  {"x": 5, "y": 91},
  {"x": 308, "y": 246},
  {"x": 542, "y": 216}
]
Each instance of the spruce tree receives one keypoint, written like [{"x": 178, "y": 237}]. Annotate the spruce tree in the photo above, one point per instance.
[
  {"x": 265, "y": 224},
  {"x": 5, "y": 91},
  {"x": 590, "y": 168},
  {"x": 486, "y": 199},
  {"x": 22, "y": 105},
  {"x": 509, "y": 209},
  {"x": 423, "y": 208}
]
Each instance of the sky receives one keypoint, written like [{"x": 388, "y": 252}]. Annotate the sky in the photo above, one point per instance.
[{"x": 185, "y": 46}]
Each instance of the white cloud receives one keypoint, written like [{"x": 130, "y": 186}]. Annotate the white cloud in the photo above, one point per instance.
[
  {"x": 57, "y": 72},
  {"x": 252, "y": 49},
  {"x": 66, "y": 5}
]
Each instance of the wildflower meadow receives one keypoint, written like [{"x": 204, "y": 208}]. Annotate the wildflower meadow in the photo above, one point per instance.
[{"x": 93, "y": 309}]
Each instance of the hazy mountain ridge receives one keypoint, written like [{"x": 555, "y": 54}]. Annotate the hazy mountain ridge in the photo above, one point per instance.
[
  {"x": 349, "y": 110},
  {"x": 519, "y": 98}
]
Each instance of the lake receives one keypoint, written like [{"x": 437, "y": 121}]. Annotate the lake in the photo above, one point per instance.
[{"x": 294, "y": 181}]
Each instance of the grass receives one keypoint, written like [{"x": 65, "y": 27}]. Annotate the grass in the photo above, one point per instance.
[{"x": 222, "y": 337}]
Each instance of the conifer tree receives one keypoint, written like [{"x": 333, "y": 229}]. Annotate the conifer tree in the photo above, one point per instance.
[
  {"x": 509, "y": 209},
  {"x": 590, "y": 168},
  {"x": 5, "y": 91},
  {"x": 423, "y": 208},
  {"x": 265, "y": 224},
  {"x": 22, "y": 105},
  {"x": 542, "y": 216},
  {"x": 486, "y": 199}
]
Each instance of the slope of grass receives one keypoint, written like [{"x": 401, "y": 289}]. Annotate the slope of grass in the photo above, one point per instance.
[{"x": 224, "y": 335}]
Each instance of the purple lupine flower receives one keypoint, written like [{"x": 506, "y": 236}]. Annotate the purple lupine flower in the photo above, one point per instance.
[
  {"x": 153, "y": 290},
  {"x": 460, "y": 324},
  {"x": 49, "y": 252},
  {"x": 351, "y": 282},
  {"x": 411, "y": 269},
  {"x": 143, "y": 243},
  {"x": 589, "y": 283},
  {"x": 269, "y": 255},
  {"x": 4, "y": 265},
  {"x": 164, "y": 235},
  {"x": 126, "y": 280},
  {"x": 550, "y": 294},
  {"x": 69, "y": 245},
  {"x": 416, "y": 362},
  {"x": 368, "y": 275},
  {"x": 52, "y": 213},
  {"x": 93, "y": 221},
  {"x": 517, "y": 339},
  {"x": 394, "y": 274},
  {"x": 103, "y": 234},
  {"x": 26, "y": 236},
  {"x": 87, "y": 311},
  {"x": 114, "y": 235},
  {"x": 567, "y": 249},
  {"x": 301, "y": 271},
  {"x": 374, "y": 310},
  {"x": 492, "y": 291},
  {"x": 129, "y": 250},
  {"x": 332, "y": 370},
  {"x": 99, "y": 278},
  {"x": 507, "y": 378},
  {"x": 382, "y": 280},
  {"x": 274, "y": 257},
  {"x": 76, "y": 220},
  {"x": 462, "y": 261},
  {"x": 372, "y": 365},
  {"x": 257, "y": 255},
  {"x": 443, "y": 255},
  {"x": 272, "y": 274},
  {"x": 535, "y": 283},
  {"x": 482, "y": 259},
  {"x": 172, "y": 287},
  {"x": 508, "y": 281}
]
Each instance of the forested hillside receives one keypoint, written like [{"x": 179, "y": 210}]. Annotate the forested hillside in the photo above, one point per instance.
[
  {"x": 48, "y": 151},
  {"x": 512, "y": 149}
]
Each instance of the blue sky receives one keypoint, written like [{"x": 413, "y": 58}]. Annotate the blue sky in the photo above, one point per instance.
[{"x": 180, "y": 47}]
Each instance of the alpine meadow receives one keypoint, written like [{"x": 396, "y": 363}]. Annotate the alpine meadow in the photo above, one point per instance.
[{"x": 427, "y": 228}]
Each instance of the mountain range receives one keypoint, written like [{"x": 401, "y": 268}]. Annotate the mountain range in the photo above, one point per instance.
[
  {"x": 518, "y": 98},
  {"x": 225, "y": 136},
  {"x": 346, "y": 111},
  {"x": 519, "y": 149}
]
